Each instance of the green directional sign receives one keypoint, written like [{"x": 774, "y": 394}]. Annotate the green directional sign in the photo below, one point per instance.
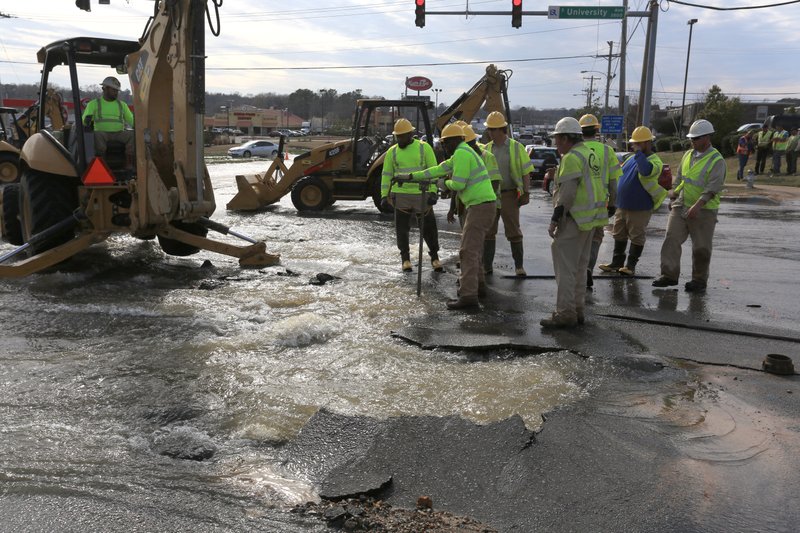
[{"x": 586, "y": 12}]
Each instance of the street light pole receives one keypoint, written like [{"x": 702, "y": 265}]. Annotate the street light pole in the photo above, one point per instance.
[
  {"x": 322, "y": 110},
  {"x": 436, "y": 93},
  {"x": 691, "y": 23}
]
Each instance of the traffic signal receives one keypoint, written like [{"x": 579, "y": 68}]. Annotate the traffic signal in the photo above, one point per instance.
[
  {"x": 420, "y": 11},
  {"x": 516, "y": 13},
  {"x": 83, "y": 4}
]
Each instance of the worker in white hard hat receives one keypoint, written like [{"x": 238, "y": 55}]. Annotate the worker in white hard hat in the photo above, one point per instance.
[
  {"x": 693, "y": 211},
  {"x": 108, "y": 116},
  {"x": 579, "y": 206},
  {"x": 470, "y": 180},
  {"x": 515, "y": 167},
  {"x": 610, "y": 171},
  {"x": 638, "y": 195},
  {"x": 406, "y": 156}
]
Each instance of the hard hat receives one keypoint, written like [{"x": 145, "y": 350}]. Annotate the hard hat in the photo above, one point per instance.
[
  {"x": 641, "y": 134},
  {"x": 469, "y": 133},
  {"x": 112, "y": 82},
  {"x": 452, "y": 130},
  {"x": 699, "y": 128},
  {"x": 460, "y": 123},
  {"x": 588, "y": 120},
  {"x": 568, "y": 125},
  {"x": 403, "y": 125},
  {"x": 495, "y": 120}
]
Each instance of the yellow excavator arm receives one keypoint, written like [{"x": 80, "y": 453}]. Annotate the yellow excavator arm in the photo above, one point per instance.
[{"x": 490, "y": 92}]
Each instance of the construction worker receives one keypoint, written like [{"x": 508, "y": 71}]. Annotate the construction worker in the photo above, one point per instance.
[
  {"x": 693, "y": 212},
  {"x": 108, "y": 116},
  {"x": 638, "y": 195},
  {"x": 610, "y": 171},
  {"x": 791, "y": 152},
  {"x": 515, "y": 168},
  {"x": 471, "y": 138},
  {"x": 408, "y": 155},
  {"x": 579, "y": 201},
  {"x": 780, "y": 140},
  {"x": 763, "y": 148},
  {"x": 471, "y": 181}
]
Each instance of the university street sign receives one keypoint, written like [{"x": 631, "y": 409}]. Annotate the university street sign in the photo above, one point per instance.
[{"x": 587, "y": 12}]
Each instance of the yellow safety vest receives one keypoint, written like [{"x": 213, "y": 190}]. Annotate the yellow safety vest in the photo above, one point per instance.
[
  {"x": 650, "y": 182},
  {"x": 695, "y": 177},
  {"x": 469, "y": 176},
  {"x": 400, "y": 162},
  {"x": 520, "y": 162},
  {"x": 589, "y": 210},
  {"x": 108, "y": 116},
  {"x": 781, "y": 142}
]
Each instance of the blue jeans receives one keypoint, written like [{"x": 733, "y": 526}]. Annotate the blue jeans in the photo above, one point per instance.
[{"x": 742, "y": 162}]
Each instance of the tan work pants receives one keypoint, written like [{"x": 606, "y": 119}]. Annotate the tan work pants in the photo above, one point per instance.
[
  {"x": 477, "y": 222},
  {"x": 509, "y": 211},
  {"x": 701, "y": 230},
  {"x": 570, "y": 248},
  {"x": 631, "y": 225},
  {"x": 101, "y": 139}
]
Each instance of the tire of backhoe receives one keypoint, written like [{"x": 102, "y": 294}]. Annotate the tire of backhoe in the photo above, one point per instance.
[
  {"x": 178, "y": 248},
  {"x": 9, "y": 167},
  {"x": 310, "y": 194},
  {"x": 44, "y": 201},
  {"x": 11, "y": 226}
]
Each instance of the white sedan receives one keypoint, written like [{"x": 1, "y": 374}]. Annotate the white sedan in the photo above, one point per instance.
[{"x": 254, "y": 149}]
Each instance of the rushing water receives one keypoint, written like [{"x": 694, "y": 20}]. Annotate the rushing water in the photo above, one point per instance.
[{"x": 124, "y": 353}]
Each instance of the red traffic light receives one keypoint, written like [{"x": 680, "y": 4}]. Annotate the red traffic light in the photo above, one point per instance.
[
  {"x": 516, "y": 3},
  {"x": 516, "y": 13},
  {"x": 420, "y": 12}
]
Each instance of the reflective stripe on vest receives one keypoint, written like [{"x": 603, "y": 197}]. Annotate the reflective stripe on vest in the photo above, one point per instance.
[
  {"x": 589, "y": 209},
  {"x": 650, "y": 183},
  {"x": 399, "y": 171},
  {"x": 518, "y": 166},
  {"x": 695, "y": 177},
  {"x": 100, "y": 119}
]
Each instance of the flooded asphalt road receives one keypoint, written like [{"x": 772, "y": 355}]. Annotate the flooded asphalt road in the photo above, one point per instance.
[{"x": 124, "y": 365}]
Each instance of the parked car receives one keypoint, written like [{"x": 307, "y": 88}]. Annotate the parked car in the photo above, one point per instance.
[
  {"x": 543, "y": 158},
  {"x": 526, "y": 138},
  {"x": 254, "y": 149},
  {"x": 751, "y": 126}
]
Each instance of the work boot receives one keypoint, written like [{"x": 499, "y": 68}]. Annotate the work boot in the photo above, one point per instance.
[
  {"x": 618, "y": 260},
  {"x": 633, "y": 258},
  {"x": 589, "y": 279},
  {"x": 482, "y": 290},
  {"x": 695, "y": 285},
  {"x": 664, "y": 281},
  {"x": 518, "y": 254},
  {"x": 407, "y": 266},
  {"x": 436, "y": 264},
  {"x": 488, "y": 256},
  {"x": 558, "y": 321},
  {"x": 468, "y": 302}
]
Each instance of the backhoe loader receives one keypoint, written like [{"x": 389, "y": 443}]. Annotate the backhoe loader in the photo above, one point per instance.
[
  {"x": 69, "y": 199},
  {"x": 351, "y": 169},
  {"x": 17, "y": 130}
]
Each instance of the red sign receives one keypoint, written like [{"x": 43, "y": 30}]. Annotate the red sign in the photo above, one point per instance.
[{"x": 418, "y": 83}]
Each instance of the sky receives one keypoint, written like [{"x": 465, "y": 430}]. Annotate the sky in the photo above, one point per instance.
[{"x": 279, "y": 46}]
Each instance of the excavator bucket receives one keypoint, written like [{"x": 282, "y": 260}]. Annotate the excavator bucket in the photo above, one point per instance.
[{"x": 261, "y": 190}]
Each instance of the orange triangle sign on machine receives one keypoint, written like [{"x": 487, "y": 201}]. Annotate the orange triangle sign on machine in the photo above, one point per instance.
[{"x": 98, "y": 173}]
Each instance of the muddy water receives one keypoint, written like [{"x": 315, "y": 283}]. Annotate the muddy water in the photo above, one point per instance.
[{"x": 123, "y": 361}]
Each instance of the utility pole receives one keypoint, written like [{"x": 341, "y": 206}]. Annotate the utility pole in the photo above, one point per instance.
[
  {"x": 646, "y": 90},
  {"x": 608, "y": 75},
  {"x": 623, "y": 48},
  {"x": 590, "y": 92}
]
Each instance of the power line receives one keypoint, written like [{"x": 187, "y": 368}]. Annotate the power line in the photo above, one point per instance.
[{"x": 739, "y": 8}]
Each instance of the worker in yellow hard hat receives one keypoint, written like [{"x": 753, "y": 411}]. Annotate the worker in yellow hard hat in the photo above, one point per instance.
[
  {"x": 108, "y": 116},
  {"x": 638, "y": 195},
  {"x": 515, "y": 168},
  {"x": 471, "y": 138},
  {"x": 470, "y": 180},
  {"x": 610, "y": 172},
  {"x": 407, "y": 155}
]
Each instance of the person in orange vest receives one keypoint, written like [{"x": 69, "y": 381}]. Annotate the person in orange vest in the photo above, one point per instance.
[{"x": 743, "y": 149}]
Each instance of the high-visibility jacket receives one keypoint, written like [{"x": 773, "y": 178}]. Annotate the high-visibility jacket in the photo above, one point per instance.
[
  {"x": 764, "y": 138},
  {"x": 611, "y": 169},
  {"x": 494, "y": 171},
  {"x": 792, "y": 143},
  {"x": 469, "y": 176},
  {"x": 695, "y": 177},
  {"x": 589, "y": 210},
  {"x": 107, "y": 115},
  {"x": 400, "y": 162},
  {"x": 637, "y": 191},
  {"x": 520, "y": 163},
  {"x": 780, "y": 141}
]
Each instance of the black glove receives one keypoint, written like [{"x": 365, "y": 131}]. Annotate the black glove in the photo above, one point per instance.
[
  {"x": 385, "y": 204},
  {"x": 432, "y": 198},
  {"x": 612, "y": 209}
]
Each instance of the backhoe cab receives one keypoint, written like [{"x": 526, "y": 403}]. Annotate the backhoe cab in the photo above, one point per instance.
[
  {"x": 351, "y": 169},
  {"x": 68, "y": 199}
]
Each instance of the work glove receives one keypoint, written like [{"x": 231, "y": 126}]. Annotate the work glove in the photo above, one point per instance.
[
  {"x": 524, "y": 199},
  {"x": 612, "y": 210},
  {"x": 432, "y": 198},
  {"x": 385, "y": 206}
]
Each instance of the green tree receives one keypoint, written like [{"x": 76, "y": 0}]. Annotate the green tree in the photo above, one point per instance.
[
  {"x": 301, "y": 103},
  {"x": 724, "y": 113}
]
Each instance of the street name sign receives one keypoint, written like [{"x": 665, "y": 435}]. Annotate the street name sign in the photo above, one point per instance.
[{"x": 586, "y": 12}]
